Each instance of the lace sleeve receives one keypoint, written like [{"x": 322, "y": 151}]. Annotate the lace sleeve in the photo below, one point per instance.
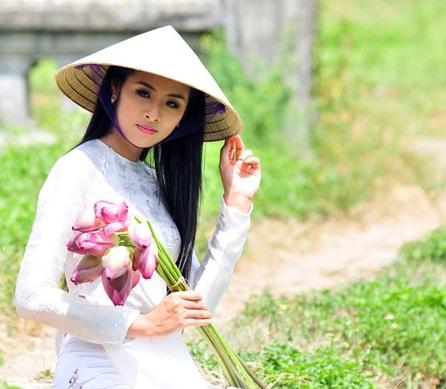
[
  {"x": 38, "y": 295},
  {"x": 212, "y": 276}
]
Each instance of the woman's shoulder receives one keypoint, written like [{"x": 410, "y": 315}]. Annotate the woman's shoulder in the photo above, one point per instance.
[{"x": 79, "y": 161}]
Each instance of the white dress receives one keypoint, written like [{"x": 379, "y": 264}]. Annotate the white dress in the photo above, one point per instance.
[{"x": 95, "y": 353}]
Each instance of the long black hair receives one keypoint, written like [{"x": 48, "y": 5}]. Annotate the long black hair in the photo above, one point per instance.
[{"x": 177, "y": 160}]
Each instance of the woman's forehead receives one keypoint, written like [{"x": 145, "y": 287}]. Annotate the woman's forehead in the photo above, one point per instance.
[{"x": 158, "y": 82}]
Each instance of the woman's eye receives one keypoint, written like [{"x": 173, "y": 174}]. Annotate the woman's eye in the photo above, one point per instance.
[
  {"x": 143, "y": 93},
  {"x": 173, "y": 104}
]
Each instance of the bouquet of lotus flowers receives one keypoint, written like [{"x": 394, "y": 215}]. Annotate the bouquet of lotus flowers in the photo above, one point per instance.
[{"x": 121, "y": 248}]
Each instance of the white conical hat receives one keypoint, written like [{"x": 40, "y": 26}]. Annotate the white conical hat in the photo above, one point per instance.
[{"x": 163, "y": 52}]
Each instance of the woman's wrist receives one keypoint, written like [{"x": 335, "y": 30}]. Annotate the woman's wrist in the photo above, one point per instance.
[
  {"x": 242, "y": 202},
  {"x": 141, "y": 327}
]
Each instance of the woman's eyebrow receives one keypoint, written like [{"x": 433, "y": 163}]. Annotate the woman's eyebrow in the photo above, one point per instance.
[{"x": 147, "y": 85}]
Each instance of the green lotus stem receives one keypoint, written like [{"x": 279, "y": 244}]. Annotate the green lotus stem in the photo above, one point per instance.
[{"x": 235, "y": 371}]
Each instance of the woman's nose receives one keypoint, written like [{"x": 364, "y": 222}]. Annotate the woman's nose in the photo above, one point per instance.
[{"x": 152, "y": 115}]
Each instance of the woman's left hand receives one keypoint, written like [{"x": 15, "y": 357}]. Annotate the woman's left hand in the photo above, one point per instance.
[{"x": 240, "y": 173}]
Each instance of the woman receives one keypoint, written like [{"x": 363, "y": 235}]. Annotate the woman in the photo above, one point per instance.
[{"x": 152, "y": 98}]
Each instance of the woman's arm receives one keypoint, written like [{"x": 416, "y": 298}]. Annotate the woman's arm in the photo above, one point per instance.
[
  {"x": 211, "y": 277},
  {"x": 38, "y": 295},
  {"x": 240, "y": 174}
]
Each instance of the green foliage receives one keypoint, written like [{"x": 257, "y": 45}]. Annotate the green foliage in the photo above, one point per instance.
[
  {"x": 375, "y": 67},
  {"x": 23, "y": 170},
  {"x": 288, "y": 368},
  {"x": 431, "y": 248},
  {"x": 283, "y": 366},
  {"x": 5, "y": 385},
  {"x": 46, "y": 99},
  {"x": 390, "y": 329},
  {"x": 292, "y": 185},
  {"x": 367, "y": 107},
  {"x": 261, "y": 100},
  {"x": 393, "y": 325}
]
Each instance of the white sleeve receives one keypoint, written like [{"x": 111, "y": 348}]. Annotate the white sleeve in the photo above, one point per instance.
[
  {"x": 212, "y": 276},
  {"x": 37, "y": 294}
]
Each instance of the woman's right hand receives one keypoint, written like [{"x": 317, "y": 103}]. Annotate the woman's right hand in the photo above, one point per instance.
[{"x": 178, "y": 310}]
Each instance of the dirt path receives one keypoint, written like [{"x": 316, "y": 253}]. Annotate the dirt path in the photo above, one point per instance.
[
  {"x": 287, "y": 257},
  {"x": 290, "y": 257}
]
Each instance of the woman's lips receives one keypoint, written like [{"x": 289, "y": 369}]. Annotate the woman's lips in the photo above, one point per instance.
[{"x": 146, "y": 129}]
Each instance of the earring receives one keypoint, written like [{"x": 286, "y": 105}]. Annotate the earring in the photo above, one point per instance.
[{"x": 113, "y": 98}]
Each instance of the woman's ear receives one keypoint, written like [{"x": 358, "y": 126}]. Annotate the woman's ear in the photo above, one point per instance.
[
  {"x": 114, "y": 89},
  {"x": 114, "y": 93}
]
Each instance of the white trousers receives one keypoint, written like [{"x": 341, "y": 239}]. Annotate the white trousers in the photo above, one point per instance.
[{"x": 163, "y": 363}]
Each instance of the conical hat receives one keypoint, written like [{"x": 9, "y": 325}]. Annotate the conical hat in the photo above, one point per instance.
[{"x": 163, "y": 52}]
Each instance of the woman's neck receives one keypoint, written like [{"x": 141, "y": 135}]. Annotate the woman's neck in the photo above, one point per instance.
[{"x": 121, "y": 146}]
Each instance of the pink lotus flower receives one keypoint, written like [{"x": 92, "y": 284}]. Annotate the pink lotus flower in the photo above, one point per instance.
[
  {"x": 91, "y": 243},
  {"x": 119, "y": 288},
  {"x": 87, "y": 270},
  {"x": 87, "y": 222},
  {"x": 140, "y": 235},
  {"x": 115, "y": 227},
  {"x": 117, "y": 261},
  {"x": 145, "y": 260},
  {"x": 110, "y": 212}
]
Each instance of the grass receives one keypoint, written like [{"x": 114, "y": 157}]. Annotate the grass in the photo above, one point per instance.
[
  {"x": 5, "y": 385},
  {"x": 432, "y": 248},
  {"x": 388, "y": 330}
]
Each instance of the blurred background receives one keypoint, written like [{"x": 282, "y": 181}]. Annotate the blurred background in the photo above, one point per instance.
[{"x": 342, "y": 283}]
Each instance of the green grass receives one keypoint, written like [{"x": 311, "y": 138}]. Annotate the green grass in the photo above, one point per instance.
[
  {"x": 388, "y": 330},
  {"x": 389, "y": 55},
  {"x": 285, "y": 367},
  {"x": 5, "y": 385},
  {"x": 430, "y": 248}
]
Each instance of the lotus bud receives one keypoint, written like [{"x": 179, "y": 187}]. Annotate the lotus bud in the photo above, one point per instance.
[
  {"x": 116, "y": 261},
  {"x": 110, "y": 212},
  {"x": 91, "y": 243},
  {"x": 145, "y": 260},
  {"x": 87, "y": 221},
  {"x": 140, "y": 235},
  {"x": 88, "y": 269},
  {"x": 118, "y": 288}
]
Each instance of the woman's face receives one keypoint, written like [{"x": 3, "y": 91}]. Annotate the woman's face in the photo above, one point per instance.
[{"x": 150, "y": 107}]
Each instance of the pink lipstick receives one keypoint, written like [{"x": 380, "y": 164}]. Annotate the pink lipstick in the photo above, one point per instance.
[{"x": 146, "y": 129}]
